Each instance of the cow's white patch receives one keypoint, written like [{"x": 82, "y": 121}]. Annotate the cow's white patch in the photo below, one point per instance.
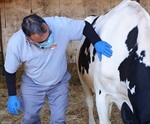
[{"x": 132, "y": 90}]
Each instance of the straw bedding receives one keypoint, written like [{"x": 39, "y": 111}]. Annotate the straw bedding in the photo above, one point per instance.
[{"x": 77, "y": 112}]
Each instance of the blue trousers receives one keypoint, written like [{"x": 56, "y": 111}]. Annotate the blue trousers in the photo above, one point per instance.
[{"x": 33, "y": 98}]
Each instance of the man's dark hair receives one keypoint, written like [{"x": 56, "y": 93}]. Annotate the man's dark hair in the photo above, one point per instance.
[{"x": 33, "y": 24}]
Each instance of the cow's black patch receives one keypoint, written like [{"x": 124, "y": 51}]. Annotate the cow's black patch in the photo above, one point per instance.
[
  {"x": 132, "y": 38},
  {"x": 85, "y": 53},
  {"x": 100, "y": 92},
  {"x": 126, "y": 66},
  {"x": 127, "y": 115},
  {"x": 84, "y": 57},
  {"x": 132, "y": 69}
]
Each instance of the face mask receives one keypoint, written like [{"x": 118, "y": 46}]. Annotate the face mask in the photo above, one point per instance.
[{"x": 46, "y": 44}]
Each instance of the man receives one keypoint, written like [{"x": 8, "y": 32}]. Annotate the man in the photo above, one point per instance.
[{"x": 41, "y": 45}]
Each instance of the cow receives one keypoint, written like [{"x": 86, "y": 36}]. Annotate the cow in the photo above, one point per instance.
[{"x": 123, "y": 79}]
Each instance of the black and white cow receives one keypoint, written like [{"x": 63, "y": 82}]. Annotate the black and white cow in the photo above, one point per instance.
[{"x": 123, "y": 79}]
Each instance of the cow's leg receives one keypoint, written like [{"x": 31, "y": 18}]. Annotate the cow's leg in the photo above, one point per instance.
[
  {"x": 89, "y": 103},
  {"x": 127, "y": 115},
  {"x": 110, "y": 109},
  {"x": 103, "y": 102},
  {"x": 103, "y": 106},
  {"x": 88, "y": 100}
]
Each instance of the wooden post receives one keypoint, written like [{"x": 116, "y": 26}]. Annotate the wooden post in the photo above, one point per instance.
[
  {"x": 138, "y": 1},
  {"x": 1, "y": 50}
]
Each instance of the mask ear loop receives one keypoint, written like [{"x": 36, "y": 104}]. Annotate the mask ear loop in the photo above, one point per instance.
[
  {"x": 30, "y": 42},
  {"x": 39, "y": 46},
  {"x": 27, "y": 41}
]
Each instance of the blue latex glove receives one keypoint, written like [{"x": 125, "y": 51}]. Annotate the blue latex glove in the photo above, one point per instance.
[
  {"x": 104, "y": 48},
  {"x": 13, "y": 105}
]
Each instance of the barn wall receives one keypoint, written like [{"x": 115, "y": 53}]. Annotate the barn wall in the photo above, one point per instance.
[{"x": 13, "y": 11}]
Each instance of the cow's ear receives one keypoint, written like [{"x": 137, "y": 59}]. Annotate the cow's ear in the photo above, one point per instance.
[{"x": 127, "y": 115}]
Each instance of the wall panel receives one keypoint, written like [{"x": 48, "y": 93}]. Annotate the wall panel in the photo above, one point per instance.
[
  {"x": 146, "y": 4},
  {"x": 51, "y": 7},
  {"x": 72, "y": 8},
  {"x": 92, "y": 7}
]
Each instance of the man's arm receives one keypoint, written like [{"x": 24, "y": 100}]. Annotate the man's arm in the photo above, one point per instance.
[
  {"x": 90, "y": 33},
  {"x": 11, "y": 83},
  {"x": 13, "y": 101},
  {"x": 101, "y": 47}
]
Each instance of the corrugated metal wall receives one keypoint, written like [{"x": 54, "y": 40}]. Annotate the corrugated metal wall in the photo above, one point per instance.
[{"x": 13, "y": 11}]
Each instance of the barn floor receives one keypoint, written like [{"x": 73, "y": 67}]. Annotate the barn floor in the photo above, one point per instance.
[{"x": 77, "y": 112}]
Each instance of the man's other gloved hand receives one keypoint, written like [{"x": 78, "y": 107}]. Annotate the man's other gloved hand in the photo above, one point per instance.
[
  {"x": 13, "y": 105},
  {"x": 104, "y": 48}
]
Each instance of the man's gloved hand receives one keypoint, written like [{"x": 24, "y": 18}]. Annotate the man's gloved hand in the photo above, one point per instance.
[
  {"x": 13, "y": 105},
  {"x": 104, "y": 48}
]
